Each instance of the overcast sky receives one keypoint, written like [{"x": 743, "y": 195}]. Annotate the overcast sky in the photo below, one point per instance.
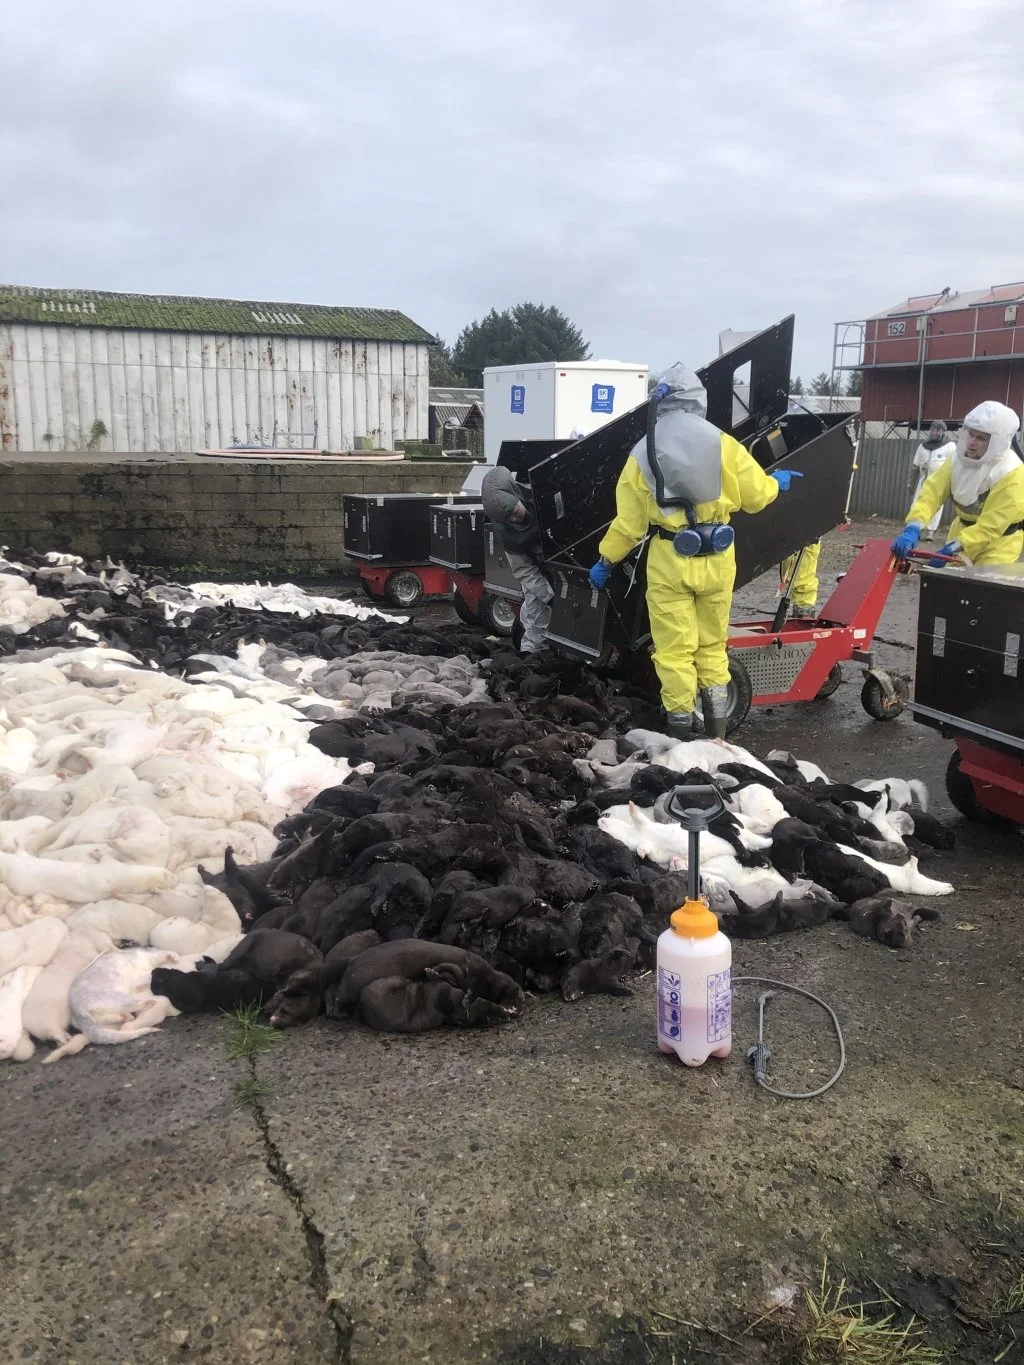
[{"x": 660, "y": 172}]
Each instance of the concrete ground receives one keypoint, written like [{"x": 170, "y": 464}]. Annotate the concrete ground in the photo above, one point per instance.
[{"x": 555, "y": 1191}]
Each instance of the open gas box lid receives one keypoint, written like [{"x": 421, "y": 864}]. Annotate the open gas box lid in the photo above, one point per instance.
[{"x": 748, "y": 397}]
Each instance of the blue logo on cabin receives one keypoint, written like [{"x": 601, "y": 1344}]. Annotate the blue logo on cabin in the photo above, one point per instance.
[
  {"x": 519, "y": 398},
  {"x": 602, "y": 398}
]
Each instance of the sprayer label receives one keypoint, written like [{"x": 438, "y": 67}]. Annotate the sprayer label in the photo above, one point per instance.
[
  {"x": 720, "y": 1006},
  {"x": 669, "y": 1001}
]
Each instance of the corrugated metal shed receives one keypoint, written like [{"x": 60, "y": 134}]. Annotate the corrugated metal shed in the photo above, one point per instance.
[
  {"x": 463, "y": 408},
  {"x": 464, "y": 398},
  {"x": 83, "y": 380}
]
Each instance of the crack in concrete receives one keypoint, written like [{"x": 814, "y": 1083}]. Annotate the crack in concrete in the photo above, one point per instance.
[{"x": 319, "y": 1277}]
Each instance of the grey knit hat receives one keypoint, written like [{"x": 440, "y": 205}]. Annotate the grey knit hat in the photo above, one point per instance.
[{"x": 499, "y": 494}]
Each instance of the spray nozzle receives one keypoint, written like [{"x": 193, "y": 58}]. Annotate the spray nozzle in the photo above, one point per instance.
[
  {"x": 687, "y": 805},
  {"x": 659, "y": 392}
]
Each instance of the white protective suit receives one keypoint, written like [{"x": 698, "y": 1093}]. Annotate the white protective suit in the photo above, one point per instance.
[{"x": 929, "y": 457}]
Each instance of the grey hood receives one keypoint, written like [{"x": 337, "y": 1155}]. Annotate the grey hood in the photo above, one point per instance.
[
  {"x": 500, "y": 493},
  {"x": 688, "y": 448}
]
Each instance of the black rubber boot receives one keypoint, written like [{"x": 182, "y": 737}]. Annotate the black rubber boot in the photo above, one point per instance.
[
  {"x": 715, "y": 705},
  {"x": 679, "y": 724}
]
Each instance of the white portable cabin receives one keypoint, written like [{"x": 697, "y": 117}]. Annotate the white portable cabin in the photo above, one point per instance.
[{"x": 549, "y": 400}]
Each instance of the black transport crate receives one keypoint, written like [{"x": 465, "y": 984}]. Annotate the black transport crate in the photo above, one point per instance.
[
  {"x": 970, "y": 667},
  {"x": 457, "y": 538},
  {"x": 498, "y": 576},
  {"x": 386, "y": 529},
  {"x": 591, "y": 623}
]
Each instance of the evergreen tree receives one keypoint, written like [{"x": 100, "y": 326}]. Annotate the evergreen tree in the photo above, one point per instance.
[
  {"x": 796, "y": 387},
  {"x": 443, "y": 372},
  {"x": 853, "y": 389},
  {"x": 527, "y": 333}
]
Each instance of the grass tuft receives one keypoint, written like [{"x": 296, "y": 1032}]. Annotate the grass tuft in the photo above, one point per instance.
[
  {"x": 1015, "y": 1298},
  {"x": 839, "y": 1331},
  {"x": 249, "y": 1091},
  {"x": 248, "y": 1036}
]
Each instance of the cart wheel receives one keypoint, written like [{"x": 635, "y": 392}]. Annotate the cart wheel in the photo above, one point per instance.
[
  {"x": 517, "y": 634},
  {"x": 741, "y": 695},
  {"x": 369, "y": 592},
  {"x": 404, "y": 589},
  {"x": 463, "y": 610},
  {"x": 831, "y": 684},
  {"x": 877, "y": 704},
  {"x": 497, "y": 615},
  {"x": 960, "y": 790}
]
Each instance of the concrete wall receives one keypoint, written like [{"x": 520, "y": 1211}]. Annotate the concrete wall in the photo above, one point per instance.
[{"x": 283, "y": 516}]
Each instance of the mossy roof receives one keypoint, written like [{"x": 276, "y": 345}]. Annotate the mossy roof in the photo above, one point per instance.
[{"x": 174, "y": 313}]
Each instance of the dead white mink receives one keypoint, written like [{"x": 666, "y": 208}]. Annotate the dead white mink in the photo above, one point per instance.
[{"x": 111, "y": 1000}]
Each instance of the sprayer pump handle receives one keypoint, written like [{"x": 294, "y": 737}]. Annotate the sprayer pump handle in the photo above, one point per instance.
[{"x": 693, "y": 816}]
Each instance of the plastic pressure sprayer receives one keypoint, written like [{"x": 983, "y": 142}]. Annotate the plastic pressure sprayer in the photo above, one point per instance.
[
  {"x": 694, "y": 956},
  {"x": 694, "y": 967},
  {"x": 696, "y": 538}
]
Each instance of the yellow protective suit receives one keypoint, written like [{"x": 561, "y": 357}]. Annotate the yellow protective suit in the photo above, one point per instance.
[
  {"x": 983, "y": 537},
  {"x": 688, "y": 598},
  {"x": 805, "y": 584}
]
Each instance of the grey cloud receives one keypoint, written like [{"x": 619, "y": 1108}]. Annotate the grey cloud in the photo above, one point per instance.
[{"x": 659, "y": 173}]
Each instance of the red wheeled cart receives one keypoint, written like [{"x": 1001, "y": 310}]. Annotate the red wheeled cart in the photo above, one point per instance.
[{"x": 782, "y": 661}]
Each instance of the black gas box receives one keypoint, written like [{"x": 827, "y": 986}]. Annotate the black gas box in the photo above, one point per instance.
[
  {"x": 594, "y": 623},
  {"x": 391, "y": 528},
  {"x": 970, "y": 666},
  {"x": 457, "y": 537},
  {"x": 498, "y": 576}
]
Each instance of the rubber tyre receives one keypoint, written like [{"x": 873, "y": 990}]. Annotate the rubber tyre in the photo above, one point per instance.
[
  {"x": 831, "y": 684},
  {"x": 497, "y": 615},
  {"x": 404, "y": 589},
  {"x": 961, "y": 793},
  {"x": 463, "y": 610},
  {"x": 878, "y": 705},
  {"x": 741, "y": 695}
]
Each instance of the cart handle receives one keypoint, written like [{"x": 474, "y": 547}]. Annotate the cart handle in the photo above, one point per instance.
[{"x": 905, "y": 565}]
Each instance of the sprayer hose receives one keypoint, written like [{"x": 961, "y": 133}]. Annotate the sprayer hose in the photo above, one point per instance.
[{"x": 797, "y": 990}]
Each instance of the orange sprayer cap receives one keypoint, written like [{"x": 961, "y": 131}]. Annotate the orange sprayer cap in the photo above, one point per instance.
[{"x": 693, "y": 919}]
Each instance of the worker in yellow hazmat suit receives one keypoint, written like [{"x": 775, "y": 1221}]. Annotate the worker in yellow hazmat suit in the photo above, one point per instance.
[
  {"x": 681, "y": 486},
  {"x": 804, "y": 588},
  {"x": 985, "y": 479}
]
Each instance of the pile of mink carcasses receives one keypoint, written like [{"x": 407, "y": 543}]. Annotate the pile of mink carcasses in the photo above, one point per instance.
[
  {"x": 524, "y": 845},
  {"x": 515, "y": 839}
]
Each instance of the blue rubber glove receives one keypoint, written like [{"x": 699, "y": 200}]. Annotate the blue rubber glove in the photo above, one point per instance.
[
  {"x": 905, "y": 543},
  {"x": 600, "y": 574},
  {"x": 951, "y": 548},
  {"x": 784, "y": 478}
]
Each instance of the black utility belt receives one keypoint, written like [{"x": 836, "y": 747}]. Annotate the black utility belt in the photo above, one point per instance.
[{"x": 1010, "y": 530}]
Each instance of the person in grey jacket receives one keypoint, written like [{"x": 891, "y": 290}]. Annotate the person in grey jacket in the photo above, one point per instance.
[{"x": 509, "y": 506}]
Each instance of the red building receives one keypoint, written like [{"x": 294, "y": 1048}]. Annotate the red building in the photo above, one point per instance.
[{"x": 939, "y": 355}]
